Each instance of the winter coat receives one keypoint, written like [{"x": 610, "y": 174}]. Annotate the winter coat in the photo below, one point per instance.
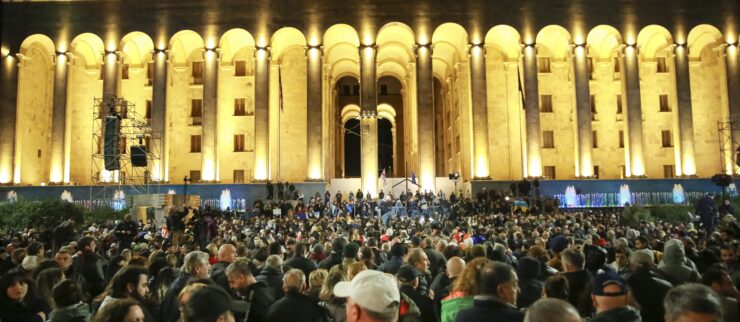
[
  {"x": 486, "y": 308},
  {"x": 74, "y": 313},
  {"x": 452, "y": 305},
  {"x": 334, "y": 311},
  {"x": 273, "y": 277},
  {"x": 673, "y": 265},
  {"x": 528, "y": 270},
  {"x": 294, "y": 307},
  {"x": 648, "y": 290},
  {"x": 622, "y": 314}
]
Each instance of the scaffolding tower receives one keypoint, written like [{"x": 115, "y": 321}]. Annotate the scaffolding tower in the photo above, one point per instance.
[
  {"x": 135, "y": 130},
  {"x": 728, "y": 145}
]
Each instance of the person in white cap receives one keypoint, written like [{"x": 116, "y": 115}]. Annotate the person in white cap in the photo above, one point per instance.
[{"x": 371, "y": 297}]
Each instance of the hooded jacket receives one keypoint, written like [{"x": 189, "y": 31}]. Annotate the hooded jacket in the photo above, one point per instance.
[
  {"x": 74, "y": 313},
  {"x": 673, "y": 265},
  {"x": 528, "y": 270},
  {"x": 648, "y": 290}
]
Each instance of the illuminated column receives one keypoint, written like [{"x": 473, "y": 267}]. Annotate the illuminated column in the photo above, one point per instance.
[
  {"x": 159, "y": 110},
  {"x": 583, "y": 111},
  {"x": 425, "y": 106},
  {"x": 110, "y": 75},
  {"x": 532, "y": 111},
  {"x": 209, "y": 157},
  {"x": 685, "y": 120},
  {"x": 315, "y": 165},
  {"x": 480, "y": 111},
  {"x": 261, "y": 113},
  {"x": 368, "y": 119},
  {"x": 8, "y": 95},
  {"x": 733, "y": 92},
  {"x": 634, "y": 110},
  {"x": 58, "y": 120}
]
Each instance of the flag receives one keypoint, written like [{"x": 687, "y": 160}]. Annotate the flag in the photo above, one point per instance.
[
  {"x": 521, "y": 89},
  {"x": 382, "y": 177},
  {"x": 413, "y": 178},
  {"x": 280, "y": 88}
]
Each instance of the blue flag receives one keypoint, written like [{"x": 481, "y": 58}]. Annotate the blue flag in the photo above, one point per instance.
[{"x": 413, "y": 178}]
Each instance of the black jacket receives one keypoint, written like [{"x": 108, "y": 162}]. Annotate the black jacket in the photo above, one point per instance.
[
  {"x": 425, "y": 304},
  {"x": 392, "y": 266},
  {"x": 92, "y": 267},
  {"x": 126, "y": 231},
  {"x": 489, "y": 309},
  {"x": 26, "y": 311},
  {"x": 622, "y": 314},
  {"x": 329, "y": 262},
  {"x": 580, "y": 291},
  {"x": 261, "y": 297},
  {"x": 169, "y": 309},
  {"x": 295, "y": 307},
  {"x": 218, "y": 275},
  {"x": 273, "y": 278},
  {"x": 530, "y": 286},
  {"x": 437, "y": 262},
  {"x": 648, "y": 290},
  {"x": 304, "y": 264}
]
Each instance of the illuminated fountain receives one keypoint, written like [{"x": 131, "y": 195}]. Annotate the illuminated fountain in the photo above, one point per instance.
[
  {"x": 679, "y": 196},
  {"x": 225, "y": 199},
  {"x": 67, "y": 196},
  {"x": 570, "y": 197},
  {"x": 624, "y": 195}
]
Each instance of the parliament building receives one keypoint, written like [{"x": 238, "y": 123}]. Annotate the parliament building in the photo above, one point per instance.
[{"x": 241, "y": 91}]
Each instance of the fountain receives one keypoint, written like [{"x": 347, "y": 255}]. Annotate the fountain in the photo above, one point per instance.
[
  {"x": 624, "y": 195},
  {"x": 171, "y": 192},
  {"x": 570, "y": 197},
  {"x": 732, "y": 190},
  {"x": 12, "y": 196},
  {"x": 67, "y": 196},
  {"x": 679, "y": 196},
  {"x": 225, "y": 199},
  {"x": 119, "y": 200}
]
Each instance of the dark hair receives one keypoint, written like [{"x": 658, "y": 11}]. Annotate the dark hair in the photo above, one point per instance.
[
  {"x": 16, "y": 276},
  {"x": 45, "y": 282},
  {"x": 66, "y": 293},
  {"x": 34, "y": 248},
  {"x": 492, "y": 275},
  {"x": 713, "y": 275},
  {"x": 84, "y": 242},
  {"x": 115, "y": 311},
  {"x": 399, "y": 250},
  {"x": 118, "y": 286},
  {"x": 338, "y": 245},
  {"x": 556, "y": 286},
  {"x": 300, "y": 248}
]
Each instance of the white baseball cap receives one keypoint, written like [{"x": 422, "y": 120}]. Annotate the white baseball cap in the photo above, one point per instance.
[{"x": 372, "y": 290}]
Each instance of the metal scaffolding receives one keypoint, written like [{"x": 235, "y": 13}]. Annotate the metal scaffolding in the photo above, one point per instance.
[
  {"x": 727, "y": 130},
  {"x": 135, "y": 129}
]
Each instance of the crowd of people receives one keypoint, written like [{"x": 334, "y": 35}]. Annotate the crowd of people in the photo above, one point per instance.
[{"x": 357, "y": 258}]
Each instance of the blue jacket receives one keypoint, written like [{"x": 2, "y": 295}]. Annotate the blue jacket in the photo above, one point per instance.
[{"x": 486, "y": 308}]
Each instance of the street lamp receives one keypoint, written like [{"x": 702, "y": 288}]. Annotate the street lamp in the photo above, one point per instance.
[{"x": 186, "y": 180}]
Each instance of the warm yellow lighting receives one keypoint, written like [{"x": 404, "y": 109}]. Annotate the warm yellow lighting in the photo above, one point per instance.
[
  {"x": 260, "y": 171},
  {"x": 423, "y": 40},
  {"x": 315, "y": 173},
  {"x": 314, "y": 41},
  {"x": 209, "y": 170},
  {"x": 481, "y": 167},
  {"x": 4, "y": 176}
]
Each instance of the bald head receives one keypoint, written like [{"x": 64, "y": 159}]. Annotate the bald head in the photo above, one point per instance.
[
  {"x": 294, "y": 281},
  {"x": 455, "y": 266},
  {"x": 227, "y": 253},
  {"x": 552, "y": 309}
]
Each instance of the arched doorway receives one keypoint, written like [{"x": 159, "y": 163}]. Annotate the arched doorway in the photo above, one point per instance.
[
  {"x": 385, "y": 145},
  {"x": 352, "y": 162}
]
